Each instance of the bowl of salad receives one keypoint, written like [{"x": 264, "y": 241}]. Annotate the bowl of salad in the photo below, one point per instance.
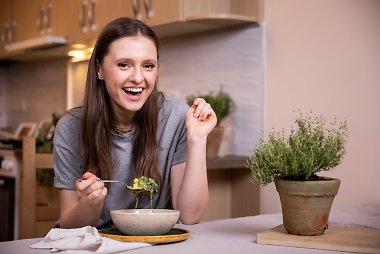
[{"x": 139, "y": 222}]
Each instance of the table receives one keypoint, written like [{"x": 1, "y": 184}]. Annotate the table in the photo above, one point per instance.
[{"x": 230, "y": 236}]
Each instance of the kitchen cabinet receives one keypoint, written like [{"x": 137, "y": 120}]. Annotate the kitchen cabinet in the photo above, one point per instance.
[
  {"x": 167, "y": 17},
  {"x": 5, "y": 25},
  {"x": 25, "y": 20},
  {"x": 157, "y": 12},
  {"x": 24, "y": 17},
  {"x": 177, "y": 17},
  {"x": 90, "y": 16},
  {"x": 37, "y": 18},
  {"x": 81, "y": 21}
]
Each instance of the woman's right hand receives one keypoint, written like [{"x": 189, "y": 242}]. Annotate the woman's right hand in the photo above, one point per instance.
[
  {"x": 83, "y": 206},
  {"x": 90, "y": 190}
]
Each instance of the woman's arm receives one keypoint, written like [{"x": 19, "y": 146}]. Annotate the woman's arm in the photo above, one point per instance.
[
  {"x": 82, "y": 207},
  {"x": 189, "y": 180}
]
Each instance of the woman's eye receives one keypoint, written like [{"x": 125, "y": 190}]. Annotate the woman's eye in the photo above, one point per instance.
[
  {"x": 123, "y": 65},
  {"x": 149, "y": 66}
]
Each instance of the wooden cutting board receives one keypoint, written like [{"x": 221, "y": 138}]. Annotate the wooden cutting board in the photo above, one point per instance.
[{"x": 351, "y": 239}]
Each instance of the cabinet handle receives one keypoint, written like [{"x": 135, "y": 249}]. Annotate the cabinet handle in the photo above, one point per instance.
[
  {"x": 10, "y": 31},
  {"x": 82, "y": 19},
  {"x": 91, "y": 15},
  {"x": 136, "y": 9},
  {"x": 4, "y": 33},
  {"x": 47, "y": 16},
  {"x": 148, "y": 8},
  {"x": 40, "y": 20}
]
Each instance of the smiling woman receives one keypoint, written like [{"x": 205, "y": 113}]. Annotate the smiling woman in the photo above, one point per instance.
[{"x": 127, "y": 129}]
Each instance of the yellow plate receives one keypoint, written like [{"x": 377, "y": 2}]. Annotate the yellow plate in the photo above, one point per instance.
[{"x": 174, "y": 235}]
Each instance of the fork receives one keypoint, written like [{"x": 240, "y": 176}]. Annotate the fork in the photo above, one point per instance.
[{"x": 116, "y": 181}]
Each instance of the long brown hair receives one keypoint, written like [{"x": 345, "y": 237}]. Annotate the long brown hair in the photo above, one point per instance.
[{"x": 97, "y": 118}]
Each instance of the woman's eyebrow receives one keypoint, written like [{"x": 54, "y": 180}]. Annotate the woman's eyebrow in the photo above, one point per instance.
[{"x": 126, "y": 59}]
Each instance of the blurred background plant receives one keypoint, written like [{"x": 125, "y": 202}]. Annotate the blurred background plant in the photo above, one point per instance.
[
  {"x": 221, "y": 102},
  {"x": 45, "y": 177},
  {"x": 44, "y": 140}
]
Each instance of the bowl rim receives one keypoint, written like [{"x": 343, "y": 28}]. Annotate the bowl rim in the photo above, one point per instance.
[{"x": 145, "y": 211}]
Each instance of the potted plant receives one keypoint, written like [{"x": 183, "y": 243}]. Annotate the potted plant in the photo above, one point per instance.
[
  {"x": 46, "y": 194},
  {"x": 293, "y": 162},
  {"x": 221, "y": 103}
]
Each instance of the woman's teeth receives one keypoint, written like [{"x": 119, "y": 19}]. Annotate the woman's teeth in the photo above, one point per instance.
[{"x": 133, "y": 90}]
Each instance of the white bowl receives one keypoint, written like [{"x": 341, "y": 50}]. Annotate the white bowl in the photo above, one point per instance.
[{"x": 144, "y": 221}]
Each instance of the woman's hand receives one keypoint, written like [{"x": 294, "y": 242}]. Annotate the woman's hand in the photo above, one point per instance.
[
  {"x": 200, "y": 118},
  {"x": 83, "y": 206},
  {"x": 89, "y": 189}
]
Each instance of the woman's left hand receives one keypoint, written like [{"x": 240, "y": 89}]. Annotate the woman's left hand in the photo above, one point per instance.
[{"x": 200, "y": 118}]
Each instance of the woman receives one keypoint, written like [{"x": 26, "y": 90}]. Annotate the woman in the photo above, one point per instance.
[{"x": 126, "y": 129}]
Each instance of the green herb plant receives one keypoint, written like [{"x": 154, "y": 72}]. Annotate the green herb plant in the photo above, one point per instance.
[
  {"x": 44, "y": 140},
  {"x": 144, "y": 184},
  {"x": 313, "y": 146},
  {"x": 220, "y": 102},
  {"x": 44, "y": 177}
]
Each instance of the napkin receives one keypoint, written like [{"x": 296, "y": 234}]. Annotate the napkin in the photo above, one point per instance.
[{"x": 82, "y": 241}]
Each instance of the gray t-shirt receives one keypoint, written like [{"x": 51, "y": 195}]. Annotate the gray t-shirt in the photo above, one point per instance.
[{"x": 171, "y": 137}]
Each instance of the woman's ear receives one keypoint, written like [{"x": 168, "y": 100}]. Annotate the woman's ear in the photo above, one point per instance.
[
  {"x": 99, "y": 74},
  {"x": 99, "y": 71}
]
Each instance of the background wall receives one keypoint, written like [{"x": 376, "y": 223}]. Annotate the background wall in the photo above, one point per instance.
[
  {"x": 324, "y": 56},
  {"x": 232, "y": 59},
  {"x": 33, "y": 90}
]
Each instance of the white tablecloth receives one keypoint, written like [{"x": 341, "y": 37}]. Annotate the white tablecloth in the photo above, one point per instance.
[{"x": 231, "y": 236}]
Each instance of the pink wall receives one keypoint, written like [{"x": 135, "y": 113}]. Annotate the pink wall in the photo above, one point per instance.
[{"x": 324, "y": 56}]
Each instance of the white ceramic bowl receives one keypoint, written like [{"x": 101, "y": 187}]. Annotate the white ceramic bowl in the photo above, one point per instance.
[{"x": 144, "y": 221}]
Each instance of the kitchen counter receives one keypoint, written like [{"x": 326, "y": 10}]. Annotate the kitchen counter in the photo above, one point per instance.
[{"x": 228, "y": 236}]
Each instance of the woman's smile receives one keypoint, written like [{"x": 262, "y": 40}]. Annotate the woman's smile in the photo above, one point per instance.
[{"x": 133, "y": 93}]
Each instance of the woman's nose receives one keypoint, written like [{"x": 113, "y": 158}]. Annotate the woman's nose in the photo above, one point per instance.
[{"x": 137, "y": 76}]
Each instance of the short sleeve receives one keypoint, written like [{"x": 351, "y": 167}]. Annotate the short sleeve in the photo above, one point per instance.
[
  {"x": 66, "y": 153},
  {"x": 180, "y": 153}
]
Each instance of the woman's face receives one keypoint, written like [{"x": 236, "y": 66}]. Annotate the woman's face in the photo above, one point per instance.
[{"x": 129, "y": 71}]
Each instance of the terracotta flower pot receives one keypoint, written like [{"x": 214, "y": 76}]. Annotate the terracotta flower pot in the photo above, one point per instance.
[
  {"x": 306, "y": 204},
  {"x": 214, "y": 140}
]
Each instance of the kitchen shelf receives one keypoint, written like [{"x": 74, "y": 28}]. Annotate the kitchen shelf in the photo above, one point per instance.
[
  {"x": 231, "y": 193},
  {"x": 35, "y": 220},
  {"x": 227, "y": 162}
]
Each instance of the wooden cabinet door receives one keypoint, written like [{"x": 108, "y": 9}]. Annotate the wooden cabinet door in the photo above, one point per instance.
[
  {"x": 108, "y": 10},
  {"x": 159, "y": 12},
  {"x": 5, "y": 25},
  {"x": 230, "y": 9},
  {"x": 93, "y": 15},
  {"x": 77, "y": 30},
  {"x": 24, "y": 15},
  {"x": 57, "y": 16}
]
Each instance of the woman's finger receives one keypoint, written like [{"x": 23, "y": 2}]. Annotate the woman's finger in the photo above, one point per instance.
[
  {"x": 206, "y": 112},
  {"x": 83, "y": 184},
  {"x": 94, "y": 187},
  {"x": 198, "y": 104},
  {"x": 98, "y": 195}
]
